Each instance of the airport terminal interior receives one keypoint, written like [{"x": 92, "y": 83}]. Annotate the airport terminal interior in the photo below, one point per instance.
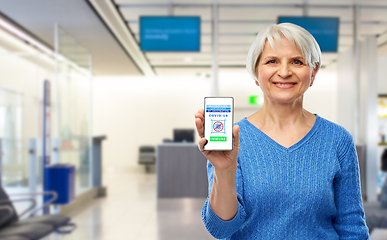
[{"x": 97, "y": 104}]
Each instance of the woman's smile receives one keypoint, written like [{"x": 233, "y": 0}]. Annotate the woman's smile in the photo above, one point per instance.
[{"x": 284, "y": 85}]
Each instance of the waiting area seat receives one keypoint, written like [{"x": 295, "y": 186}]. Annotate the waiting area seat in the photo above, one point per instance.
[
  {"x": 147, "y": 156},
  {"x": 12, "y": 227}
]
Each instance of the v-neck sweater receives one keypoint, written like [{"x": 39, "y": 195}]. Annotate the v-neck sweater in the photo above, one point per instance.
[{"x": 310, "y": 190}]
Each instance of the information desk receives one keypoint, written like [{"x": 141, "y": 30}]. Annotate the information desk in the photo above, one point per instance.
[{"x": 181, "y": 171}]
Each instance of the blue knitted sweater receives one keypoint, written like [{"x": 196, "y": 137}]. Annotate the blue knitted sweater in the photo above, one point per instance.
[{"x": 310, "y": 190}]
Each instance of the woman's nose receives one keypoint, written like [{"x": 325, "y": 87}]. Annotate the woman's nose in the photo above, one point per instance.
[{"x": 284, "y": 71}]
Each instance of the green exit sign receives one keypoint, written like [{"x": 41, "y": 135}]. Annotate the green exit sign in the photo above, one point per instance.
[{"x": 256, "y": 99}]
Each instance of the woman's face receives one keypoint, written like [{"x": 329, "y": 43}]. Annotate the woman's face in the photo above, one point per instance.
[{"x": 283, "y": 74}]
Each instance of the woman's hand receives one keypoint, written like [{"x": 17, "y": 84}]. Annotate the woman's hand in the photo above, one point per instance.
[
  {"x": 223, "y": 197},
  {"x": 221, "y": 160}
]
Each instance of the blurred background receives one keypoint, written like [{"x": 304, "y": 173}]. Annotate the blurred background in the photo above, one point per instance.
[{"x": 110, "y": 87}]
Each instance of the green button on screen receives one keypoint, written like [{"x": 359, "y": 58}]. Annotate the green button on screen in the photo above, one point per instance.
[{"x": 218, "y": 139}]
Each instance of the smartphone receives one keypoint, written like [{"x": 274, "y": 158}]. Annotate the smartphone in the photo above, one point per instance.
[{"x": 218, "y": 123}]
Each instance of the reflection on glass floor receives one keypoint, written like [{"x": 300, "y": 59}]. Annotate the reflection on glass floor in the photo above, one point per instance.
[{"x": 130, "y": 212}]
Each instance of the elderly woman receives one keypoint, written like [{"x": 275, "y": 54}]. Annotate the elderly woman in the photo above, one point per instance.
[{"x": 291, "y": 173}]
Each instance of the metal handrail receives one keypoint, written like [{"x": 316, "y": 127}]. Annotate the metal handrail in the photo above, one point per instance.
[
  {"x": 54, "y": 197},
  {"x": 10, "y": 201}
]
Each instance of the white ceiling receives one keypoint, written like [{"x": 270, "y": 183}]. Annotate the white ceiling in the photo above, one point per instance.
[
  {"x": 79, "y": 19},
  {"x": 239, "y": 22}
]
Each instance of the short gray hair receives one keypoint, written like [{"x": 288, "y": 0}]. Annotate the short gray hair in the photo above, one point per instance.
[{"x": 295, "y": 34}]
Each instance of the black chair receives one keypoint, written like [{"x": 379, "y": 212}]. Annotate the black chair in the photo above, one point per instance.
[
  {"x": 5, "y": 214},
  {"x": 33, "y": 227},
  {"x": 27, "y": 232},
  {"x": 147, "y": 156}
]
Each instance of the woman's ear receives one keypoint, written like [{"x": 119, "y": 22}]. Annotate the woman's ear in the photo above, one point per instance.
[
  {"x": 256, "y": 70},
  {"x": 314, "y": 72}
]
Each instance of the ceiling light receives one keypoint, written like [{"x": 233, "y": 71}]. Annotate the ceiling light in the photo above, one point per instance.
[{"x": 9, "y": 27}]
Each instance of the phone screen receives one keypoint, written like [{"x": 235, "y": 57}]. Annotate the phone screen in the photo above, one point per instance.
[{"x": 218, "y": 123}]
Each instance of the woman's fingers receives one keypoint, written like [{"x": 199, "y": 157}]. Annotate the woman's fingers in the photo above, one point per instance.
[
  {"x": 199, "y": 127},
  {"x": 199, "y": 121},
  {"x": 200, "y": 114},
  {"x": 202, "y": 143}
]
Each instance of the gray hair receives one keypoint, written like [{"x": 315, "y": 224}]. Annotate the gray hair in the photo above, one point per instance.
[{"x": 295, "y": 34}]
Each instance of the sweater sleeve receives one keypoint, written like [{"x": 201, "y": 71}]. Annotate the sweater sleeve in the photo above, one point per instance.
[
  {"x": 217, "y": 227},
  {"x": 350, "y": 220}
]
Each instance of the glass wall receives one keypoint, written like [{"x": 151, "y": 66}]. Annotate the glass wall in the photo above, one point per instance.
[
  {"x": 23, "y": 70},
  {"x": 21, "y": 86},
  {"x": 74, "y": 110},
  {"x": 74, "y": 122}
]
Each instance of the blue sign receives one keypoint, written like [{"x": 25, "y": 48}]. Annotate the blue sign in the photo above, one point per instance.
[
  {"x": 169, "y": 33},
  {"x": 324, "y": 29}
]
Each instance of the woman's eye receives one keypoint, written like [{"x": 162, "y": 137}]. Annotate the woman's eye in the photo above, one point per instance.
[
  {"x": 270, "y": 61},
  {"x": 297, "y": 62}
]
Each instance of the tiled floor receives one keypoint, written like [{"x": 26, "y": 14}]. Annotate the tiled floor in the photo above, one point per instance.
[
  {"x": 379, "y": 234},
  {"x": 131, "y": 211}
]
